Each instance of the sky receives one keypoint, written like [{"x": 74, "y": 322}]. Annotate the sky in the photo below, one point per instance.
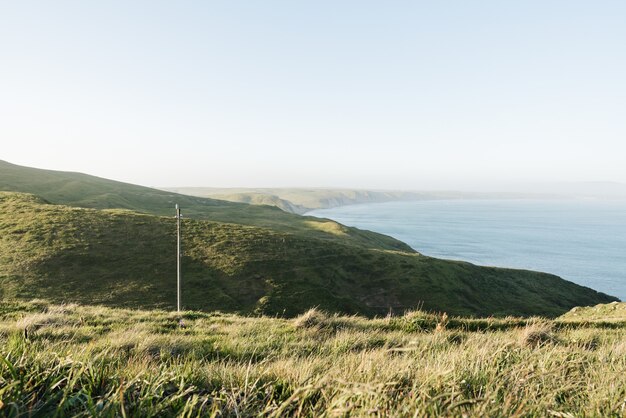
[{"x": 360, "y": 94}]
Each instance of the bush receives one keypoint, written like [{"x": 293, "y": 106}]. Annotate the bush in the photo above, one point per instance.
[{"x": 537, "y": 334}]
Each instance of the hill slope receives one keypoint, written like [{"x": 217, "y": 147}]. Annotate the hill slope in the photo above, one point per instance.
[
  {"x": 124, "y": 258},
  {"x": 82, "y": 190},
  {"x": 610, "y": 313},
  {"x": 254, "y": 198}
]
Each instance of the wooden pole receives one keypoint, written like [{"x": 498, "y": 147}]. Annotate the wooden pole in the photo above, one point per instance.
[{"x": 178, "y": 258}]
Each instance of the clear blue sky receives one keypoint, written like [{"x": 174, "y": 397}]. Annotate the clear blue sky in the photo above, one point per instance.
[{"x": 380, "y": 94}]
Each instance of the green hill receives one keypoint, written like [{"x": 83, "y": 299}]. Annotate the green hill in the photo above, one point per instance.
[
  {"x": 125, "y": 258},
  {"x": 81, "y": 190}
]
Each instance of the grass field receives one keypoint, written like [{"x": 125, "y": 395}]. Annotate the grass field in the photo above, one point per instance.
[{"x": 70, "y": 360}]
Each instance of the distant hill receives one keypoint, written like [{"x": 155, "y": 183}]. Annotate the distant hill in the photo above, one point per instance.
[
  {"x": 258, "y": 198},
  {"x": 302, "y": 200},
  {"x": 237, "y": 258}
]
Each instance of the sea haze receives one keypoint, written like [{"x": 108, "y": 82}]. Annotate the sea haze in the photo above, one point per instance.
[{"x": 580, "y": 240}]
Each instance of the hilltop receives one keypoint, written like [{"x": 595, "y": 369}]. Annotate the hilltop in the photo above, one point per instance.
[{"x": 237, "y": 257}]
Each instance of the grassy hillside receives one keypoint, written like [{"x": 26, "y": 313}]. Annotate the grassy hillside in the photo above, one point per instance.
[
  {"x": 611, "y": 313},
  {"x": 76, "y": 189},
  {"x": 91, "y": 361},
  {"x": 256, "y": 198},
  {"x": 123, "y": 258}
]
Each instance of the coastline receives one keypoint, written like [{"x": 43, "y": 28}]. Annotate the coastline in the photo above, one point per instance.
[
  {"x": 576, "y": 239},
  {"x": 300, "y": 201}
]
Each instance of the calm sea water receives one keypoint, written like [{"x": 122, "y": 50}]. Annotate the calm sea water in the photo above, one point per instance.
[{"x": 581, "y": 241}]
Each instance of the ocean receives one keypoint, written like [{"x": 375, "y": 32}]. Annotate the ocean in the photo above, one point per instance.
[{"x": 583, "y": 241}]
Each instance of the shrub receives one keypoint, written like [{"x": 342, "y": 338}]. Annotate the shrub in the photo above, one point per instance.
[
  {"x": 311, "y": 319},
  {"x": 537, "y": 334}
]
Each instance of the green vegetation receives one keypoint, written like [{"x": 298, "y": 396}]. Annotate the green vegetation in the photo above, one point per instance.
[
  {"x": 68, "y": 237},
  {"x": 611, "y": 313},
  {"x": 123, "y": 258},
  {"x": 237, "y": 257},
  {"x": 81, "y": 190},
  {"x": 69, "y": 360}
]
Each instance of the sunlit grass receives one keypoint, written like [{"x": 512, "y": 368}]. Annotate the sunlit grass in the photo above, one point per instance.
[{"x": 80, "y": 360}]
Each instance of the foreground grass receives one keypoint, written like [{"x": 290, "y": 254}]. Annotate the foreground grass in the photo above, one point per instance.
[{"x": 92, "y": 361}]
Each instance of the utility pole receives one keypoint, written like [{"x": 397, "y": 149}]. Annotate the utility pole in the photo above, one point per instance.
[{"x": 178, "y": 216}]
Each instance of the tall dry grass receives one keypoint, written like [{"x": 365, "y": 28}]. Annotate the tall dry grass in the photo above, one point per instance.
[{"x": 91, "y": 361}]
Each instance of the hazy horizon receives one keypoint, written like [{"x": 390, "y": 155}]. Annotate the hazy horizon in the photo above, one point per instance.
[
  {"x": 546, "y": 188},
  {"x": 596, "y": 189},
  {"x": 398, "y": 96}
]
